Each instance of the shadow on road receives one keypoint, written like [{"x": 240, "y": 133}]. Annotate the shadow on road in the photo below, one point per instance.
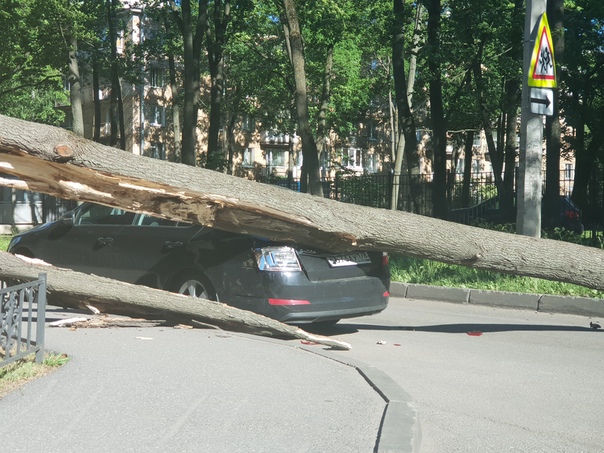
[{"x": 349, "y": 328}]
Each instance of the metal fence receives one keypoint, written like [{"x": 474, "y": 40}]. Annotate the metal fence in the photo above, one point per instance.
[
  {"x": 22, "y": 318},
  {"x": 382, "y": 191}
]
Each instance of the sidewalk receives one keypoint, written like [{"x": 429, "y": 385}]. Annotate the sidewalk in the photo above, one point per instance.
[{"x": 165, "y": 389}]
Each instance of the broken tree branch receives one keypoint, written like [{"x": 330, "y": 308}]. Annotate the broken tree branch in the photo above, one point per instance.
[
  {"x": 66, "y": 288},
  {"x": 54, "y": 161}
]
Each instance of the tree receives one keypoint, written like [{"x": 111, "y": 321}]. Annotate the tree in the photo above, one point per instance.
[
  {"x": 582, "y": 99},
  {"x": 551, "y": 201},
  {"x": 192, "y": 25},
  {"x": 51, "y": 160},
  {"x": 82, "y": 291},
  {"x": 295, "y": 47},
  {"x": 406, "y": 123},
  {"x": 31, "y": 67},
  {"x": 439, "y": 127}
]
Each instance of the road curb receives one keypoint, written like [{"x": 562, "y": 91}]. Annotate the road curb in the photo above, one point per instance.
[
  {"x": 583, "y": 306},
  {"x": 400, "y": 429}
]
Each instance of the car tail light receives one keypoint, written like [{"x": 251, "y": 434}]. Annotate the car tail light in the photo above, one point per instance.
[
  {"x": 277, "y": 259},
  {"x": 288, "y": 302},
  {"x": 572, "y": 214},
  {"x": 385, "y": 259}
]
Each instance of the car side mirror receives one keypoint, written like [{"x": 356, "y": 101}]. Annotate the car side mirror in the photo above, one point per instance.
[{"x": 67, "y": 219}]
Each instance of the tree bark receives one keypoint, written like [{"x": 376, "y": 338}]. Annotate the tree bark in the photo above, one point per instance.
[
  {"x": 116, "y": 104},
  {"x": 553, "y": 132},
  {"x": 406, "y": 122},
  {"x": 193, "y": 32},
  {"x": 54, "y": 161},
  {"x": 325, "y": 96},
  {"x": 217, "y": 38},
  {"x": 66, "y": 288},
  {"x": 75, "y": 91},
  {"x": 309, "y": 147},
  {"x": 439, "y": 127}
]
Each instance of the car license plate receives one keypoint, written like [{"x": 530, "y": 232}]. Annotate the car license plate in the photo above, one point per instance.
[{"x": 351, "y": 259}]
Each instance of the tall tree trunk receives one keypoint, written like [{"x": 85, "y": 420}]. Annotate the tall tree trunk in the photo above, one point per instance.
[
  {"x": 417, "y": 39},
  {"x": 75, "y": 91},
  {"x": 398, "y": 146},
  {"x": 193, "y": 32},
  {"x": 407, "y": 130},
  {"x": 116, "y": 105},
  {"x": 551, "y": 204},
  {"x": 496, "y": 158},
  {"x": 513, "y": 90},
  {"x": 216, "y": 40},
  {"x": 177, "y": 153},
  {"x": 467, "y": 168},
  {"x": 325, "y": 96},
  {"x": 309, "y": 147},
  {"x": 439, "y": 129},
  {"x": 96, "y": 88}
]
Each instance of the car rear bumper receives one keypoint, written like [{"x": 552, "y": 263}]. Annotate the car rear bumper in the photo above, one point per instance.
[{"x": 303, "y": 302}]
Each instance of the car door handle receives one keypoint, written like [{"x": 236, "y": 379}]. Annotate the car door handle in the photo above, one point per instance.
[
  {"x": 171, "y": 245},
  {"x": 104, "y": 240}
]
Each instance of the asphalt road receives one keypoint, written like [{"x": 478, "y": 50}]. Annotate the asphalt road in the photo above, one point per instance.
[
  {"x": 487, "y": 379},
  {"x": 160, "y": 389}
]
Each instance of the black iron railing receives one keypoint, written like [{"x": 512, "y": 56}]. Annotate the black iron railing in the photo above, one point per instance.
[{"x": 22, "y": 317}]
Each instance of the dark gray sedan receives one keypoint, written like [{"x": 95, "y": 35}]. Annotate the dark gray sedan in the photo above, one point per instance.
[{"x": 283, "y": 281}]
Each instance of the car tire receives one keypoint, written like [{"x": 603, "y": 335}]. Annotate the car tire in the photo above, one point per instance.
[{"x": 195, "y": 285}]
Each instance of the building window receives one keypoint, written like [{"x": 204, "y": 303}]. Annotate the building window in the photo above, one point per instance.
[
  {"x": 157, "y": 151},
  {"x": 371, "y": 163},
  {"x": 156, "y": 77},
  {"x": 156, "y": 115},
  {"x": 248, "y": 124},
  {"x": 248, "y": 157},
  {"x": 353, "y": 157},
  {"x": 277, "y": 158},
  {"x": 569, "y": 172},
  {"x": 120, "y": 42}
]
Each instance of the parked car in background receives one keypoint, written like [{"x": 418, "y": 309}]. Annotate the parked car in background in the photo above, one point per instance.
[
  {"x": 282, "y": 281},
  {"x": 570, "y": 216}
]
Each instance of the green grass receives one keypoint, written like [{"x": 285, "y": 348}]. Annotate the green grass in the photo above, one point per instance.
[
  {"x": 4, "y": 241},
  {"x": 15, "y": 375},
  {"x": 413, "y": 270}
]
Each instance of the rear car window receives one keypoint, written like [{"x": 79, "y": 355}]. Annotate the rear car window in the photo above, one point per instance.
[
  {"x": 147, "y": 220},
  {"x": 103, "y": 215}
]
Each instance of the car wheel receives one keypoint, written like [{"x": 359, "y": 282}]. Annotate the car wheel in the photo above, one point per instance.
[{"x": 195, "y": 286}]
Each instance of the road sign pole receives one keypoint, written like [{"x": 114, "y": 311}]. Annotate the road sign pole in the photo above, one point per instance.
[{"x": 528, "y": 216}]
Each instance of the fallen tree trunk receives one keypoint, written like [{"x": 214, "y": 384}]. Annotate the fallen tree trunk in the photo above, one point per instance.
[
  {"x": 66, "y": 288},
  {"x": 56, "y": 162}
]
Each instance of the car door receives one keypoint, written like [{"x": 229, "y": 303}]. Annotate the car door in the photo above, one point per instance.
[
  {"x": 151, "y": 247},
  {"x": 88, "y": 244}
]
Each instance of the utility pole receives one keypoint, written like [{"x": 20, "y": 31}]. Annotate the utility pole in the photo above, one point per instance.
[{"x": 528, "y": 190}]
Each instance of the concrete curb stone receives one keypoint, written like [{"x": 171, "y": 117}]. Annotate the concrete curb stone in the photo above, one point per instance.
[
  {"x": 572, "y": 305},
  {"x": 505, "y": 299},
  {"x": 582, "y": 306}
]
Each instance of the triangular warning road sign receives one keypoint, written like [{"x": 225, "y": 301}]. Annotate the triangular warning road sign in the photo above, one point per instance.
[{"x": 542, "y": 71}]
